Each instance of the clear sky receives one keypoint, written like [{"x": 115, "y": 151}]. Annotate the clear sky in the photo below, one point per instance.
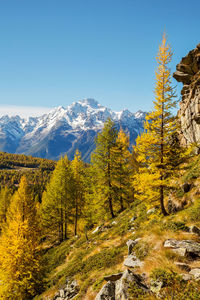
[{"x": 55, "y": 52}]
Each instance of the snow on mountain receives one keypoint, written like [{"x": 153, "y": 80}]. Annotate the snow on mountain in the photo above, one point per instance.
[{"x": 64, "y": 129}]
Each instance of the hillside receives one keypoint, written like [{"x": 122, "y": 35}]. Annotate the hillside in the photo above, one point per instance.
[{"x": 164, "y": 252}]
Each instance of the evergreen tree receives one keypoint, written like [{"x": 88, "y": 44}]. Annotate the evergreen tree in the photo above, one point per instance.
[
  {"x": 56, "y": 200},
  {"x": 20, "y": 270},
  {"x": 78, "y": 188},
  {"x": 103, "y": 162},
  {"x": 121, "y": 169},
  {"x": 153, "y": 147}
]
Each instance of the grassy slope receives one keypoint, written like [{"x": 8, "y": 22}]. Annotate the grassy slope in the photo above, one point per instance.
[{"x": 104, "y": 253}]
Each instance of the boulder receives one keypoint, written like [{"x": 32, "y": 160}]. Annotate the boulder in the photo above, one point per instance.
[
  {"x": 107, "y": 292},
  {"x": 196, "y": 273},
  {"x": 121, "y": 286},
  {"x": 132, "y": 261},
  {"x": 192, "y": 248},
  {"x": 180, "y": 251}
]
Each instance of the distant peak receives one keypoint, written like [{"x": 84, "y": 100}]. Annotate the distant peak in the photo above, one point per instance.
[{"x": 90, "y": 101}]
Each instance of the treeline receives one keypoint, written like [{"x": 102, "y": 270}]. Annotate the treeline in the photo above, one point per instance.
[{"x": 78, "y": 196}]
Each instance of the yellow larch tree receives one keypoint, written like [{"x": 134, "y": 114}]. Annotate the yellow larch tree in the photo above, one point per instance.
[
  {"x": 153, "y": 147},
  {"x": 20, "y": 269}
]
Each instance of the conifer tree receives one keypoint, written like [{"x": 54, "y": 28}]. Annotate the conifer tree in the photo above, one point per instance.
[
  {"x": 78, "y": 188},
  {"x": 121, "y": 169},
  {"x": 153, "y": 146},
  {"x": 5, "y": 196},
  {"x": 56, "y": 200},
  {"x": 20, "y": 270},
  {"x": 102, "y": 159}
]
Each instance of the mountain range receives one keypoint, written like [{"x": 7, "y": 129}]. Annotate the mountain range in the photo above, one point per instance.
[{"x": 63, "y": 130}]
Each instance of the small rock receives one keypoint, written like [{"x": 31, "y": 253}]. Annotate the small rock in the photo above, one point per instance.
[
  {"x": 195, "y": 229},
  {"x": 156, "y": 286},
  {"x": 114, "y": 223},
  {"x": 62, "y": 293},
  {"x": 183, "y": 266},
  {"x": 186, "y": 277},
  {"x": 113, "y": 277},
  {"x": 195, "y": 273},
  {"x": 132, "y": 261},
  {"x": 133, "y": 219},
  {"x": 107, "y": 292},
  {"x": 151, "y": 211},
  {"x": 98, "y": 228}
]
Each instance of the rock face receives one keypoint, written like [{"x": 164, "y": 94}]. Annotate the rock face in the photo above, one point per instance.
[
  {"x": 188, "y": 72},
  {"x": 69, "y": 291}
]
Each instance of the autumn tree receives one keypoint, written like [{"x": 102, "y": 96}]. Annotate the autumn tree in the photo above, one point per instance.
[
  {"x": 102, "y": 160},
  {"x": 78, "y": 184},
  {"x": 121, "y": 169},
  {"x": 153, "y": 147},
  {"x": 55, "y": 208},
  {"x": 20, "y": 269},
  {"x": 5, "y": 196}
]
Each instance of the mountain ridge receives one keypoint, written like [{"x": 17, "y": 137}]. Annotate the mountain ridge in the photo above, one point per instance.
[{"x": 63, "y": 130}]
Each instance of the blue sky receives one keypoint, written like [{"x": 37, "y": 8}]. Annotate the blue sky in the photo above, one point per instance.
[{"x": 56, "y": 52}]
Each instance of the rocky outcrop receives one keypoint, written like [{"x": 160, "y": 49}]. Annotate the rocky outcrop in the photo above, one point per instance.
[
  {"x": 69, "y": 291},
  {"x": 119, "y": 289},
  {"x": 186, "y": 246},
  {"x": 188, "y": 72}
]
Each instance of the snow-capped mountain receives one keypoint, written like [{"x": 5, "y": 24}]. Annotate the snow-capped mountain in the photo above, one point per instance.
[{"x": 63, "y": 130}]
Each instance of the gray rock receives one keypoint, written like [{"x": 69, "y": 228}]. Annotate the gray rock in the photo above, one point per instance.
[
  {"x": 132, "y": 261},
  {"x": 114, "y": 222},
  {"x": 195, "y": 229},
  {"x": 191, "y": 247},
  {"x": 113, "y": 277},
  {"x": 189, "y": 114},
  {"x": 180, "y": 251},
  {"x": 186, "y": 277},
  {"x": 151, "y": 211},
  {"x": 62, "y": 293},
  {"x": 183, "y": 266},
  {"x": 121, "y": 286},
  {"x": 156, "y": 286},
  {"x": 133, "y": 219},
  {"x": 196, "y": 273},
  {"x": 98, "y": 228},
  {"x": 107, "y": 292}
]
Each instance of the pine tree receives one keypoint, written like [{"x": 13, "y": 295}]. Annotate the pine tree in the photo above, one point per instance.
[
  {"x": 56, "y": 200},
  {"x": 102, "y": 160},
  {"x": 153, "y": 146},
  {"x": 78, "y": 188},
  {"x": 121, "y": 169},
  {"x": 20, "y": 270}
]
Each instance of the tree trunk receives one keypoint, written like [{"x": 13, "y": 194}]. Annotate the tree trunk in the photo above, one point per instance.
[{"x": 76, "y": 219}]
